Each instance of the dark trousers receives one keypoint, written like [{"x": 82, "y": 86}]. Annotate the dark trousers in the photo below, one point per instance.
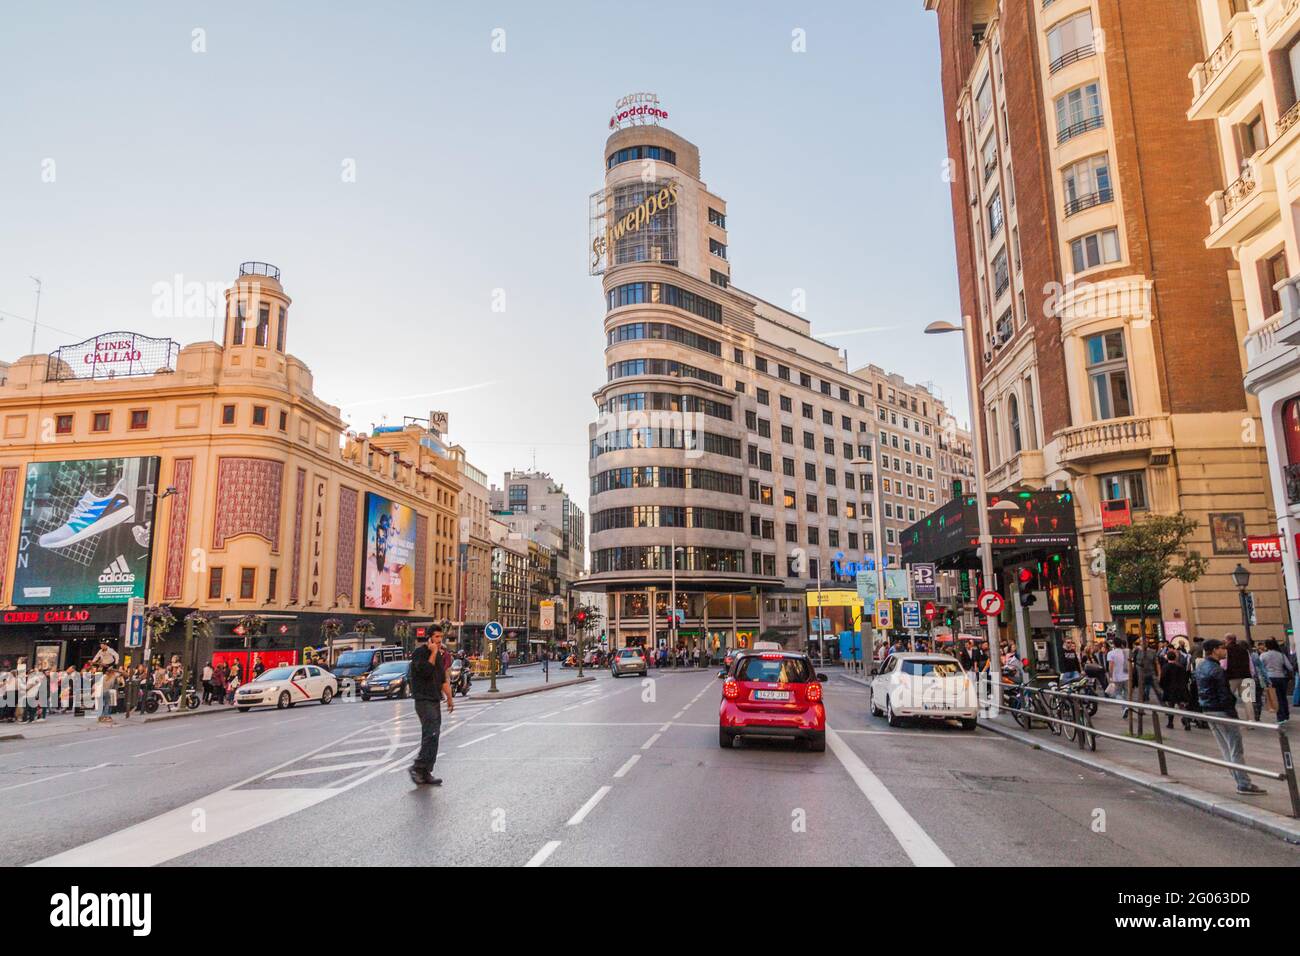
[
  {"x": 1283, "y": 703},
  {"x": 430, "y": 726}
]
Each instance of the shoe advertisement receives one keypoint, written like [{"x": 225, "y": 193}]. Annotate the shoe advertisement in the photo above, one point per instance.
[{"x": 87, "y": 531}]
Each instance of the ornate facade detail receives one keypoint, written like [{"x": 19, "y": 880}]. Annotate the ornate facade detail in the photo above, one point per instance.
[
  {"x": 421, "y": 560},
  {"x": 345, "y": 554},
  {"x": 295, "y": 565},
  {"x": 248, "y": 500},
  {"x": 178, "y": 529},
  {"x": 8, "y": 496}
]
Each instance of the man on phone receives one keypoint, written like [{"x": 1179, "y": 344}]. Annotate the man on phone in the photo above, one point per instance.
[{"x": 429, "y": 683}]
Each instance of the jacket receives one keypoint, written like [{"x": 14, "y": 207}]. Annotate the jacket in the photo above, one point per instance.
[
  {"x": 428, "y": 674},
  {"x": 1212, "y": 691}
]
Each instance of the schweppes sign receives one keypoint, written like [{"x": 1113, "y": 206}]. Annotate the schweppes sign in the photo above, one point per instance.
[{"x": 635, "y": 218}]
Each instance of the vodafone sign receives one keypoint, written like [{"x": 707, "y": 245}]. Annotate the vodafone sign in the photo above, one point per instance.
[{"x": 637, "y": 109}]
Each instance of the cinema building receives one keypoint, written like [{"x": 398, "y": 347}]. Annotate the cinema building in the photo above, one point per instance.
[
  {"x": 212, "y": 478},
  {"x": 734, "y": 455}
]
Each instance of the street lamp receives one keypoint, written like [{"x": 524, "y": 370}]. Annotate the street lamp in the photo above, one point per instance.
[
  {"x": 981, "y": 497},
  {"x": 1241, "y": 578},
  {"x": 877, "y": 534}
]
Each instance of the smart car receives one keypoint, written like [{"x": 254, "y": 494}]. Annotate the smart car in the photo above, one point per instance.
[{"x": 772, "y": 694}]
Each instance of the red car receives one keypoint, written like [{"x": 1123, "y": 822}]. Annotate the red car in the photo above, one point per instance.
[{"x": 772, "y": 694}]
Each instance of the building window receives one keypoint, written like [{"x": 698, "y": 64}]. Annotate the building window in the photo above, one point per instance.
[
  {"x": 984, "y": 101},
  {"x": 101, "y": 422},
  {"x": 1087, "y": 184},
  {"x": 279, "y": 332},
  {"x": 247, "y": 583},
  {"x": 284, "y": 421},
  {"x": 1125, "y": 484},
  {"x": 1108, "y": 375},
  {"x": 63, "y": 425},
  {"x": 259, "y": 414},
  {"x": 139, "y": 419},
  {"x": 717, "y": 248},
  {"x": 1069, "y": 41},
  {"x": 263, "y": 325},
  {"x": 996, "y": 217},
  {"x": 1095, "y": 249},
  {"x": 719, "y": 279},
  {"x": 214, "y": 583},
  {"x": 1273, "y": 272},
  {"x": 1013, "y": 423},
  {"x": 272, "y": 579},
  {"x": 1078, "y": 111},
  {"x": 237, "y": 334},
  {"x": 227, "y": 414}
]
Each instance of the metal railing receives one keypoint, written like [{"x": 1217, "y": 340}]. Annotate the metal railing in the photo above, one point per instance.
[
  {"x": 1072, "y": 56},
  {"x": 1066, "y": 133},
  {"x": 1088, "y": 200},
  {"x": 1085, "y": 729}
]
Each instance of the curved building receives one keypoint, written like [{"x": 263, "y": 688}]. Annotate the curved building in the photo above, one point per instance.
[{"x": 729, "y": 460}]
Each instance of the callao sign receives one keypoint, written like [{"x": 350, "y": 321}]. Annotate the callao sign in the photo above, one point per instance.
[
  {"x": 637, "y": 109},
  {"x": 46, "y": 617}
]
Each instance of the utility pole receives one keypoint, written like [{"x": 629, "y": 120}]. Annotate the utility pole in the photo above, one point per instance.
[{"x": 36, "y": 316}]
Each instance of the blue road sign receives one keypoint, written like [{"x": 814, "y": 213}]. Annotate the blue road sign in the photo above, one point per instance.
[
  {"x": 912, "y": 614},
  {"x": 492, "y": 631}
]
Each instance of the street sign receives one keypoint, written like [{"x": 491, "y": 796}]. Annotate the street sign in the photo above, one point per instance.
[
  {"x": 911, "y": 614},
  {"x": 896, "y": 582},
  {"x": 821, "y": 624},
  {"x": 990, "y": 603},
  {"x": 923, "y": 580},
  {"x": 884, "y": 615},
  {"x": 135, "y": 622},
  {"x": 492, "y": 630},
  {"x": 930, "y": 611},
  {"x": 546, "y": 615},
  {"x": 868, "y": 587}
]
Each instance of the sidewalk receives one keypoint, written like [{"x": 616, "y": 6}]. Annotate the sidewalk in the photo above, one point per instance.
[{"x": 527, "y": 679}]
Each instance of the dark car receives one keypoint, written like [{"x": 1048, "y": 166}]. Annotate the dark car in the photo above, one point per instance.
[
  {"x": 355, "y": 666},
  {"x": 389, "y": 679}
]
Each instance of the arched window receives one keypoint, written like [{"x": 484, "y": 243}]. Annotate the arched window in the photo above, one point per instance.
[
  {"x": 1291, "y": 429},
  {"x": 995, "y": 443},
  {"x": 1013, "y": 422}
]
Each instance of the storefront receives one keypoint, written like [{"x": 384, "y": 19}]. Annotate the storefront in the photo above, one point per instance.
[
  {"x": 57, "y": 637},
  {"x": 1127, "y": 612}
]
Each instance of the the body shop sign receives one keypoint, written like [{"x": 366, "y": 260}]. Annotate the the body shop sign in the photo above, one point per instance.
[{"x": 1264, "y": 549}]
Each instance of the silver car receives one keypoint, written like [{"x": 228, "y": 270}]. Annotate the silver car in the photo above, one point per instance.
[{"x": 627, "y": 661}]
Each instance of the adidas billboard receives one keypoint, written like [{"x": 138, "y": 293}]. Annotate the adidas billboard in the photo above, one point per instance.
[{"x": 87, "y": 531}]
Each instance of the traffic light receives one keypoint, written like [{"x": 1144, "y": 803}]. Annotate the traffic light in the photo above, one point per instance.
[
  {"x": 580, "y": 618},
  {"x": 950, "y": 618},
  {"x": 1026, "y": 578}
]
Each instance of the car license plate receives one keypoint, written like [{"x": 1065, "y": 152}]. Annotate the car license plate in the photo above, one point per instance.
[{"x": 771, "y": 695}]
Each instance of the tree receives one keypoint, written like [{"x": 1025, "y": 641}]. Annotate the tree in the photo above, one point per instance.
[{"x": 1144, "y": 557}]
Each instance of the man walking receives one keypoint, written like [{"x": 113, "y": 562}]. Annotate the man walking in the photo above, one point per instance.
[
  {"x": 429, "y": 683},
  {"x": 1217, "y": 700},
  {"x": 1238, "y": 671}
]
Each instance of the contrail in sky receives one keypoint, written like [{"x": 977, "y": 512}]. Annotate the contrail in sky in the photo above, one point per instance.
[{"x": 405, "y": 398}]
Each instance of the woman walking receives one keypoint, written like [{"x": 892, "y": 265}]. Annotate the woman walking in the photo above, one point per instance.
[{"x": 1174, "y": 690}]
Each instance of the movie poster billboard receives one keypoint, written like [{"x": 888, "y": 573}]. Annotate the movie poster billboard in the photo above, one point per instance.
[
  {"x": 388, "y": 578},
  {"x": 87, "y": 531}
]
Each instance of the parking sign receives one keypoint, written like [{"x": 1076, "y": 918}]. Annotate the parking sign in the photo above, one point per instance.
[{"x": 911, "y": 614}]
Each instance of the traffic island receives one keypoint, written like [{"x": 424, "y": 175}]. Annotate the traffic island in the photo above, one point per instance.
[{"x": 506, "y": 694}]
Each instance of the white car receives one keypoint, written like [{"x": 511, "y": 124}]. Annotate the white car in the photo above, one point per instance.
[
  {"x": 285, "y": 686},
  {"x": 932, "y": 686}
]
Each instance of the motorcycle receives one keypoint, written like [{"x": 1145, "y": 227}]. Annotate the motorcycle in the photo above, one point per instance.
[{"x": 460, "y": 678}]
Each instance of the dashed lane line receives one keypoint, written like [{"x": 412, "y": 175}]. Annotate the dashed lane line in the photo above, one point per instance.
[
  {"x": 542, "y": 855},
  {"x": 590, "y": 805},
  {"x": 650, "y": 743},
  {"x": 631, "y": 762},
  {"x": 328, "y": 768},
  {"x": 184, "y": 743},
  {"x": 470, "y": 743}
]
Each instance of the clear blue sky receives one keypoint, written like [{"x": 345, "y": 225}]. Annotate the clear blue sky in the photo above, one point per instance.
[{"x": 473, "y": 170}]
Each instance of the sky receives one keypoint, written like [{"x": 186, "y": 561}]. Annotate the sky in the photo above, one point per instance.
[{"x": 420, "y": 173}]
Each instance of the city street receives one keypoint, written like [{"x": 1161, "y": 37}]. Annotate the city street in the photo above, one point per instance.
[{"x": 603, "y": 773}]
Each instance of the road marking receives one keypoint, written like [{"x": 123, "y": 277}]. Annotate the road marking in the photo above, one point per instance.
[
  {"x": 476, "y": 740},
  {"x": 588, "y": 806},
  {"x": 544, "y": 716},
  {"x": 665, "y": 727},
  {"x": 353, "y": 753},
  {"x": 185, "y": 743},
  {"x": 334, "y": 766},
  {"x": 650, "y": 743},
  {"x": 506, "y": 730},
  {"x": 678, "y": 715},
  {"x": 922, "y": 850},
  {"x": 32, "y": 783},
  {"x": 232, "y": 733},
  {"x": 58, "y": 796},
  {"x": 542, "y": 855},
  {"x": 98, "y": 766},
  {"x": 631, "y": 762}
]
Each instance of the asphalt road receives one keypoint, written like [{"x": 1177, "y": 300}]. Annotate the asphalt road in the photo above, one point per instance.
[{"x": 605, "y": 773}]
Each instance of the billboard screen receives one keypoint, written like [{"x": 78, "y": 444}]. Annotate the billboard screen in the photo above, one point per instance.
[
  {"x": 87, "y": 531},
  {"x": 388, "y": 578}
]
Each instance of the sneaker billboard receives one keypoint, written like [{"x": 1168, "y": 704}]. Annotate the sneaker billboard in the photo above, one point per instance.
[{"x": 87, "y": 531}]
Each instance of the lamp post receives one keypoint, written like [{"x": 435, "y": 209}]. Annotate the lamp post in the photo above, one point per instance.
[
  {"x": 981, "y": 498},
  {"x": 672, "y": 603},
  {"x": 1241, "y": 578}
]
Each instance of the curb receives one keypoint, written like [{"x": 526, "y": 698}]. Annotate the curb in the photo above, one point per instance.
[
  {"x": 1266, "y": 821},
  {"x": 198, "y": 712},
  {"x": 506, "y": 694}
]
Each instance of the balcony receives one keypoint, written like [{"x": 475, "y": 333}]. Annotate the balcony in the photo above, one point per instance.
[
  {"x": 1024, "y": 469},
  {"x": 1073, "y": 56},
  {"x": 1233, "y": 66},
  {"x": 1240, "y": 210},
  {"x": 1098, "y": 198},
  {"x": 1279, "y": 16},
  {"x": 1113, "y": 437}
]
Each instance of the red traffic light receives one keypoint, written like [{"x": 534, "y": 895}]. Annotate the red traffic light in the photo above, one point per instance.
[
  {"x": 1025, "y": 575},
  {"x": 580, "y": 617}
]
